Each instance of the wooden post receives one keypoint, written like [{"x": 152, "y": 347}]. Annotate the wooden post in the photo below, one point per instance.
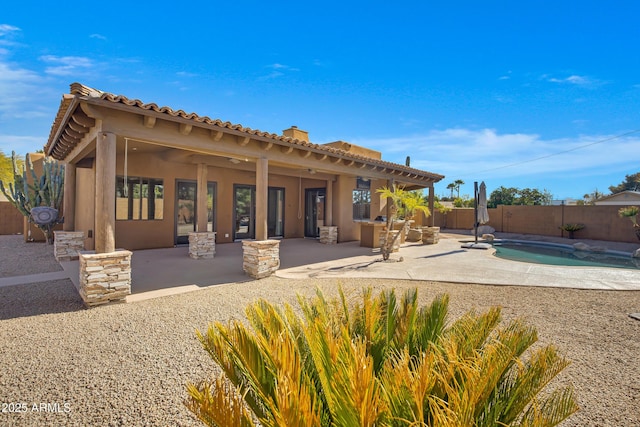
[
  {"x": 432, "y": 204},
  {"x": 105, "y": 201},
  {"x": 201, "y": 209},
  {"x": 262, "y": 196},
  {"x": 328, "y": 203},
  {"x": 69, "y": 197}
]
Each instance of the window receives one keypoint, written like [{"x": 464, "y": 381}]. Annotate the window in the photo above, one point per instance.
[
  {"x": 361, "y": 205},
  {"x": 139, "y": 198}
]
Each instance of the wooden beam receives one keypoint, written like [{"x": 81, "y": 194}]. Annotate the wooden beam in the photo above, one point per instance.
[
  {"x": 216, "y": 135},
  {"x": 362, "y": 165},
  {"x": 304, "y": 153},
  {"x": 242, "y": 141},
  {"x": 73, "y": 134},
  {"x": 321, "y": 156},
  {"x": 350, "y": 163},
  {"x": 336, "y": 160},
  {"x": 266, "y": 145},
  {"x": 78, "y": 128},
  {"x": 185, "y": 129},
  {"x": 286, "y": 149},
  {"x": 80, "y": 118},
  {"x": 149, "y": 121}
]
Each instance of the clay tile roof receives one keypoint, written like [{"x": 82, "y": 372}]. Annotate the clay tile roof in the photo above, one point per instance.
[{"x": 80, "y": 90}]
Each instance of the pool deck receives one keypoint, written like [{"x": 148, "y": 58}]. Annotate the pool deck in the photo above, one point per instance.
[
  {"x": 447, "y": 261},
  {"x": 159, "y": 272}
]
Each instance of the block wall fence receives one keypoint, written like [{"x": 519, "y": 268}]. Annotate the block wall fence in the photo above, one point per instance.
[{"x": 601, "y": 222}]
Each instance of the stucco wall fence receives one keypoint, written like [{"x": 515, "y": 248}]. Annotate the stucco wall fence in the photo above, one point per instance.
[
  {"x": 11, "y": 220},
  {"x": 601, "y": 222}
]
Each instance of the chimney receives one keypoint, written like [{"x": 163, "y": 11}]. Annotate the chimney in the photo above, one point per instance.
[{"x": 295, "y": 133}]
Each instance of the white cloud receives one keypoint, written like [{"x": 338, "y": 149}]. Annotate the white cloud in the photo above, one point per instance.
[
  {"x": 7, "y": 29},
  {"x": 66, "y": 65},
  {"x": 279, "y": 70},
  {"x": 573, "y": 79},
  {"x": 97, "y": 36},
  {"x": 186, "y": 74},
  {"x": 277, "y": 66},
  {"x": 462, "y": 152},
  {"x": 21, "y": 144},
  {"x": 18, "y": 89}
]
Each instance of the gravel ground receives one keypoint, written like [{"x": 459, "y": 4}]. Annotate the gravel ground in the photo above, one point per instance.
[
  {"x": 18, "y": 258},
  {"x": 128, "y": 364}
]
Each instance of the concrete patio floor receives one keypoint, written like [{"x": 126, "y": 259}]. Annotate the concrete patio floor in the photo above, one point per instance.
[{"x": 160, "y": 272}]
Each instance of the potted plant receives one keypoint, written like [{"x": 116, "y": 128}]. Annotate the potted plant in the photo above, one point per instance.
[
  {"x": 571, "y": 228},
  {"x": 631, "y": 212}
]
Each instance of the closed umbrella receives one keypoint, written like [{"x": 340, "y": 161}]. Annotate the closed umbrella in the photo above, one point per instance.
[{"x": 483, "y": 213}]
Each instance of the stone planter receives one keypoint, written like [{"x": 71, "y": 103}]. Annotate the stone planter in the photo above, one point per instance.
[
  {"x": 105, "y": 278},
  {"x": 260, "y": 259},
  {"x": 399, "y": 225},
  {"x": 67, "y": 244},
  {"x": 414, "y": 235},
  {"x": 392, "y": 235},
  {"x": 328, "y": 235},
  {"x": 430, "y": 235},
  {"x": 202, "y": 245}
]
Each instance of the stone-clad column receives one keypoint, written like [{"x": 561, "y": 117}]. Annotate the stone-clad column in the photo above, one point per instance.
[
  {"x": 69, "y": 197},
  {"x": 431, "y": 206},
  {"x": 105, "y": 201}
]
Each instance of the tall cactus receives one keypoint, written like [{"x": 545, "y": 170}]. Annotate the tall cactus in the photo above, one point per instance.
[{"x": 46, "y": 190}]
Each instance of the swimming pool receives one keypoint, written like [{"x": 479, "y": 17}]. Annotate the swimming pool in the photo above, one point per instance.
[{"x": 555, "y": 254}]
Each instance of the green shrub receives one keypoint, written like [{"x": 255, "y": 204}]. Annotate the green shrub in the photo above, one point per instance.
[{"x": 377, "y": 362}]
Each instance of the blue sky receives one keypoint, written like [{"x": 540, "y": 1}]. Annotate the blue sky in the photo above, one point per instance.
[{"x": 471, "y": 90}]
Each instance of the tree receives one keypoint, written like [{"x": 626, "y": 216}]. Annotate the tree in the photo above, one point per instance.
[
  {"x": 458, "y": 183},
  {"x": 378, "y": 361},
  {"x": 533, "y": 196},
  {"x": 502, "y": 196},
  {"x": 402, "y": 202},
  {"x": 452, "y": 187},
  {"x": 631, "y": 183},
  {"x": 590, "y": 198},
  {"x": 516, "y": 196}
]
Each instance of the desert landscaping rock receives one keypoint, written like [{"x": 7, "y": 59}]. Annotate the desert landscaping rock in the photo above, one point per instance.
[{"x": 128, "y": 364}]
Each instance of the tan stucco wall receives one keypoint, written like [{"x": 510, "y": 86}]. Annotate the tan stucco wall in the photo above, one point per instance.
[
  {"x": 160, "y": 233},
  {"x": 601, "y": 222}
]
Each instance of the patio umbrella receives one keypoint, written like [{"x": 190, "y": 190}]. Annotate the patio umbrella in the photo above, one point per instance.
[{"x": 483, "y": 213}]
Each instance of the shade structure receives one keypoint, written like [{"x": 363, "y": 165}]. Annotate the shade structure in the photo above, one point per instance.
[{"x": 483, "y": 213}]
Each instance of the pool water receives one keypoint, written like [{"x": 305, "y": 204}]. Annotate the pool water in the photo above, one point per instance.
[{"x": 562, "y": 255}]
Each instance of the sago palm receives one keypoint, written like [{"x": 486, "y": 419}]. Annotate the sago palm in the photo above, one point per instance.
[{"x": 377, "y": 361}]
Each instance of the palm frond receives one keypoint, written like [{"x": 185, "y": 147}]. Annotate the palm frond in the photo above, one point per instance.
[{"x": 219, "y": 404}]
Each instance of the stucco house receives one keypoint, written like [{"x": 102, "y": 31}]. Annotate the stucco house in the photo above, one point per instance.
[
  {"x": 624, "y": 198},
  {"x": 144, "y": 176}
]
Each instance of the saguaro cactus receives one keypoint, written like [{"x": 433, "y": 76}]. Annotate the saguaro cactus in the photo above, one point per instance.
[{"x": 46, "y": 191}]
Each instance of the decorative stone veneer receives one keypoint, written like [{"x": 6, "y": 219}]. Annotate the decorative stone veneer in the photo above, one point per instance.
[
  {"x": 328, "y": 235},
  {"x": 392, "y": 235},
  {"x": 67, "y": 244},
  {"x": 105, "y": 278},
  {"x": 414, "y": 235},
  {"x": 430, "y": 235},
  {"x": 202, "y": 245},
  {"x": 260, "y": 259}
]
